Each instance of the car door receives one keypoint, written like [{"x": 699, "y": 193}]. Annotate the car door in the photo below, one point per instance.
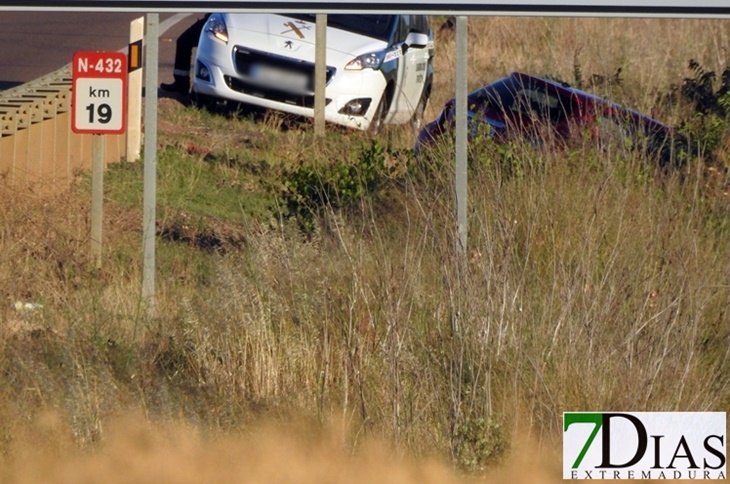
[{"x": 412, "y": 70}]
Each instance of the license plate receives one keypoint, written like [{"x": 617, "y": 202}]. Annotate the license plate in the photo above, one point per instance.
[{"x": 279, "y": 78}]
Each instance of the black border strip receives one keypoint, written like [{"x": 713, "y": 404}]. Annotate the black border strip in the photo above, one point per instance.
[{"x": 486, "y": 7}]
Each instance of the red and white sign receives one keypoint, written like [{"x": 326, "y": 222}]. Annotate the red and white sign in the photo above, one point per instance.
[{"x": 99, "y": 93}]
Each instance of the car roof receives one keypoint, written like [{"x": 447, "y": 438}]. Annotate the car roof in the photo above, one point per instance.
[
  {"x": 566, "y": 89},
  {"x": 563, "y": 87}
]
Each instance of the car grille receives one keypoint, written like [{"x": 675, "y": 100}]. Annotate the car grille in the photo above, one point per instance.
[{"x": 248, "y": 61}]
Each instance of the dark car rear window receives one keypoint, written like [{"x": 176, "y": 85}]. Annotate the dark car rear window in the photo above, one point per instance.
[{"x": 512, "y": 95}]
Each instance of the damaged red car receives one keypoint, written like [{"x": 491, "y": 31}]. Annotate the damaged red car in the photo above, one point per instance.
[{"x": 542, "y": 111}]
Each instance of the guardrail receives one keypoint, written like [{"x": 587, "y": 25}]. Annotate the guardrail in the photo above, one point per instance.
[{"x": 38, "y": 149}]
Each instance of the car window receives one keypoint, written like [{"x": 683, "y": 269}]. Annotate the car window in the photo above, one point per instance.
[
  {"x": 537, "y": 102},
  {"x": 499, "y": 95},
  {"x": 376, "y": 26},
  {"x": 421, "y": 24},
  {"x": 526, "y": 99},
  {"x": 404, "y": 27}
]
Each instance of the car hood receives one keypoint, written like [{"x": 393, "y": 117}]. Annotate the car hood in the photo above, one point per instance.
[{"x": 295, "y": 38}]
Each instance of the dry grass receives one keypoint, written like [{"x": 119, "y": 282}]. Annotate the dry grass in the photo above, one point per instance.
[
  {"x": 137, "y": 451},
  {"x": 652, "y": 54},
  {"x": 590, "y": 284}
]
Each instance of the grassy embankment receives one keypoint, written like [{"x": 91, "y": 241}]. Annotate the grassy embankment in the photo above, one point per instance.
[{"x": 591, "y": 283}]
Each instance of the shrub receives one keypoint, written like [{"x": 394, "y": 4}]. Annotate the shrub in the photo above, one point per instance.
[
  {"x": 707, "y": 124},
  {"x": 309, "y": 188}
]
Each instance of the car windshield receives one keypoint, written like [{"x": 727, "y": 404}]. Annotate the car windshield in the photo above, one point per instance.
[
  {"x": 376, "y": 26},
  {"x": 512, "y": 95}
]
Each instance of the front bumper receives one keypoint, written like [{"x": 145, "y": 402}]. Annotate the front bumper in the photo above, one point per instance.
[{"x": 352, "y": 97}]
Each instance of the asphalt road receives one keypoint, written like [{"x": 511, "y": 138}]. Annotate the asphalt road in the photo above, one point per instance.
[{"x": 33, "y": 44}]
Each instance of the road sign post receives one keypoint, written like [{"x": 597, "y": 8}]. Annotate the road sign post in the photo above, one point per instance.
[
  {"x": 99, "y": 106},
  {"x": 97, "y": 197}
]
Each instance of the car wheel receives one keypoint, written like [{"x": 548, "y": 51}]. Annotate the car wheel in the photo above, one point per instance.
[
  {"x": 202, "y": 101},
  {"x": 417, "y": 119},
  {"x": 380, "y": 113}
]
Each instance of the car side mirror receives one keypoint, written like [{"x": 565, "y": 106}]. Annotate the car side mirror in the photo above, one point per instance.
[{"x": 417, "y": 40}]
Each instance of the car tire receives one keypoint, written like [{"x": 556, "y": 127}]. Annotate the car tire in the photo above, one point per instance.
[
  {"x": 376, "y": 125},
  {"x": 417, "y": 118},
  {"x": 202, "y": 101}
]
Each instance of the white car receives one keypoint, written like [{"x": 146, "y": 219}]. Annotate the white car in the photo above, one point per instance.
[{"x": 379, "y": 67}]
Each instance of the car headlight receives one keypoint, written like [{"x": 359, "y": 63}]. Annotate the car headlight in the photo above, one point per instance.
[
  {"x": 217, "y": 26},
  {"x": 372, "y": 60}
]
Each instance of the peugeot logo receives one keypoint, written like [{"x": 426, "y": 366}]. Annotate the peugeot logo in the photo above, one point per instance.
[{"x": 288, "y": 44}]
